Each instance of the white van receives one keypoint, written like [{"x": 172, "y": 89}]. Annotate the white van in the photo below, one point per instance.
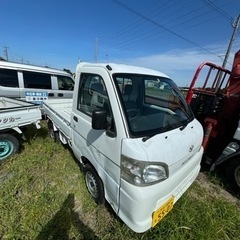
[{"x": 34, "y": 83}]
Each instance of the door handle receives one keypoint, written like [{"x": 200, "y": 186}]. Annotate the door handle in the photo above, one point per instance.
[
  {"x": 75, "y": 118},
  {"x": 51, "y": 95},
  {"x": 60, "y": 94}
]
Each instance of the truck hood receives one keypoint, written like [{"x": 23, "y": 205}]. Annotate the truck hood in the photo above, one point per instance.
[{"x": 169, "y": 147}]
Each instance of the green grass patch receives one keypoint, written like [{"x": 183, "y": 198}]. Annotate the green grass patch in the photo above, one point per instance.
[{"x": 43, "y": 196}]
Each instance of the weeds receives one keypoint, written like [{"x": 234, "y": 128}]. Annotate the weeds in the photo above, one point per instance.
[{"x": 43, "y": 196}]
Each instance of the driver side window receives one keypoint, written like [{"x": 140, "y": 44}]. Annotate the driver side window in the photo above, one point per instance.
[{"x": 93, "y": 95}]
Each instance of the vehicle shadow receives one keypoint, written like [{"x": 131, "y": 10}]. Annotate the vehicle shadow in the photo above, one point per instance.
[
  {"x": 58, "y": 227},
  {"x": 218, "y": 177},
  {"x": 228, "y": 185}
]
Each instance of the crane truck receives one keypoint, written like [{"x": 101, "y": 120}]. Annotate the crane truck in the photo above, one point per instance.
[{"x": 214, "y": 96}]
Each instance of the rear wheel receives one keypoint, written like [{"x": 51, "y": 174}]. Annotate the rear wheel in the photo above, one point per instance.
[
  {"x": 9, "y": 145},
  {"x": 94, "y": 184},
  {"x": 53, "y": 134},
  {"x": 233, "y": 171}
]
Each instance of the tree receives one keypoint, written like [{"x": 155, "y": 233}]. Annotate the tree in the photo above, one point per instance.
[{"x": 68, "y": 71}]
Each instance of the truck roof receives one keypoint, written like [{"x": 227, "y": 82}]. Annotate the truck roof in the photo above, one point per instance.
[
  {"x": 120, "y": 68},
  {"x": 28, "y": 67}
]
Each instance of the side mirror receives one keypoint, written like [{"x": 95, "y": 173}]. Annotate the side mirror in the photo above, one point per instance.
[{"x": 99, "y": 119}]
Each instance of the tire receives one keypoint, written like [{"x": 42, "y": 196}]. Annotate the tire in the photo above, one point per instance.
[
  {"x": 94, "y": 184},
  {"x": 233, "y": 171},
  {"x": 53, "y": 134},
  {"x": 9, "y": 145}
]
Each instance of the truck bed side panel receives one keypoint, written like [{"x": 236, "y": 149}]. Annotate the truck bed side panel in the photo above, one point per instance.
[
  {"x": 59, "y": 111},
  {"x": 15, "y": 113}
]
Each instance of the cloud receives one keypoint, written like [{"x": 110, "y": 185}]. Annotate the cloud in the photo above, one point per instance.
[{"x": 181, "y": 64}]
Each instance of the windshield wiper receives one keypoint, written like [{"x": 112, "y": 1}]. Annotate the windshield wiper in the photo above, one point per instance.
[
  {"x": 144, "y": 139},
  {"x": 168, "y": 127},
  {"x": 184, "y": 124}
]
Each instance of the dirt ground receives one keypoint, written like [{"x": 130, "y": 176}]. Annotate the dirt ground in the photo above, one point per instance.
[{"x": 216, "y": 190}]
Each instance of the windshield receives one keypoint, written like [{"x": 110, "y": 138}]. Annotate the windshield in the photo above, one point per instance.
[{"x": 152, "y": 104}]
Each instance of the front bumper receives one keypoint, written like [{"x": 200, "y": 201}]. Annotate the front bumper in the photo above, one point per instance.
[{"x": 137, "y": 204}]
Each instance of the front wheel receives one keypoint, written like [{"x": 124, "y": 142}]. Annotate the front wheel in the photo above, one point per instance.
[
  {"x": 94, "y": 184},
  {"x": 9, "y": 145},
  {"x": 233, "y": 171}
]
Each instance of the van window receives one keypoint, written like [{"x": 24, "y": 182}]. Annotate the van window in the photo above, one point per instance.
[
  {"x": 8, "y": 78},
  {"x": 65, "y": 83},
  {"x": 37, "y": 80}
]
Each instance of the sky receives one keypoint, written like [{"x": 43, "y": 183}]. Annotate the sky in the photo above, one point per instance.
[{"x": 171, "y": 36}]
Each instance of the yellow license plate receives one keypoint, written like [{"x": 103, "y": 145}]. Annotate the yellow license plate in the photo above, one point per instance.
[{"x": 159, "y": 214}]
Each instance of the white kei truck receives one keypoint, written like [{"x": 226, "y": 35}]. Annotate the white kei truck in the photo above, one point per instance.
[
  {"x": 136, "y": 138},
  {"x": 14, "y": 116}
]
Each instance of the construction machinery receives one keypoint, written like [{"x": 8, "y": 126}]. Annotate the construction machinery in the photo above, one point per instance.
[{"x": 214, "y": 96}]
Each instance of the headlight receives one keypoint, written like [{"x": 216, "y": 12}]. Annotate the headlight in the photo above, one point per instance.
[{"x": 142, "y": 173}]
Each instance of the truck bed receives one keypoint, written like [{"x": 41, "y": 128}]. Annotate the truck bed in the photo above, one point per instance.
[
  {"x": 16, "y": 113},
  {"x": 9, "y": 104},
  {"x": 59, "y": 111}
]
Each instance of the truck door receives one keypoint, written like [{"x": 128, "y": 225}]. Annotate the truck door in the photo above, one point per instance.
[{"x": 101, "y": 147}]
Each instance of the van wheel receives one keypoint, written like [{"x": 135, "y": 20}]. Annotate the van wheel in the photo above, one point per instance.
[
  {"x": 94, "y": 184},
  {"x": 233, "y": 171},
  {"x": 53, "y": 134},
  {"x": 9, "y": 145}
]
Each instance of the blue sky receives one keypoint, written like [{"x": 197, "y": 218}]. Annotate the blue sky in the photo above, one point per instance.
[{"x": 172, "y": 36}]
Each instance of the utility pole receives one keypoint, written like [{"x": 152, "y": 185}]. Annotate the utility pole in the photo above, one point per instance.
[
  {"x": 96, "y": 51},
  {"x": 235, "y": 25},
  {"x": 6, "y": 52}
]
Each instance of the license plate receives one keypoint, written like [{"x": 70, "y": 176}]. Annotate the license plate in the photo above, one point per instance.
[{"x": 159, "y": 214}]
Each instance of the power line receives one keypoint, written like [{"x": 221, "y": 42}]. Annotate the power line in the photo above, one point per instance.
[
  {"x": 127, "y": 30},
  {"x": 219, "y": 10},
  {"x": 160, "y": 26}
]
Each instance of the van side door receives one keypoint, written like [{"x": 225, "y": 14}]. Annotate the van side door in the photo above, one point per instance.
[
  {"x": 62, "y": 86},
  {"x": 36, "y": 86}
]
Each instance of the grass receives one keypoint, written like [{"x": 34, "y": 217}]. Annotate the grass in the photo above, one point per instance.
[{"x": 43, "y": 196}]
